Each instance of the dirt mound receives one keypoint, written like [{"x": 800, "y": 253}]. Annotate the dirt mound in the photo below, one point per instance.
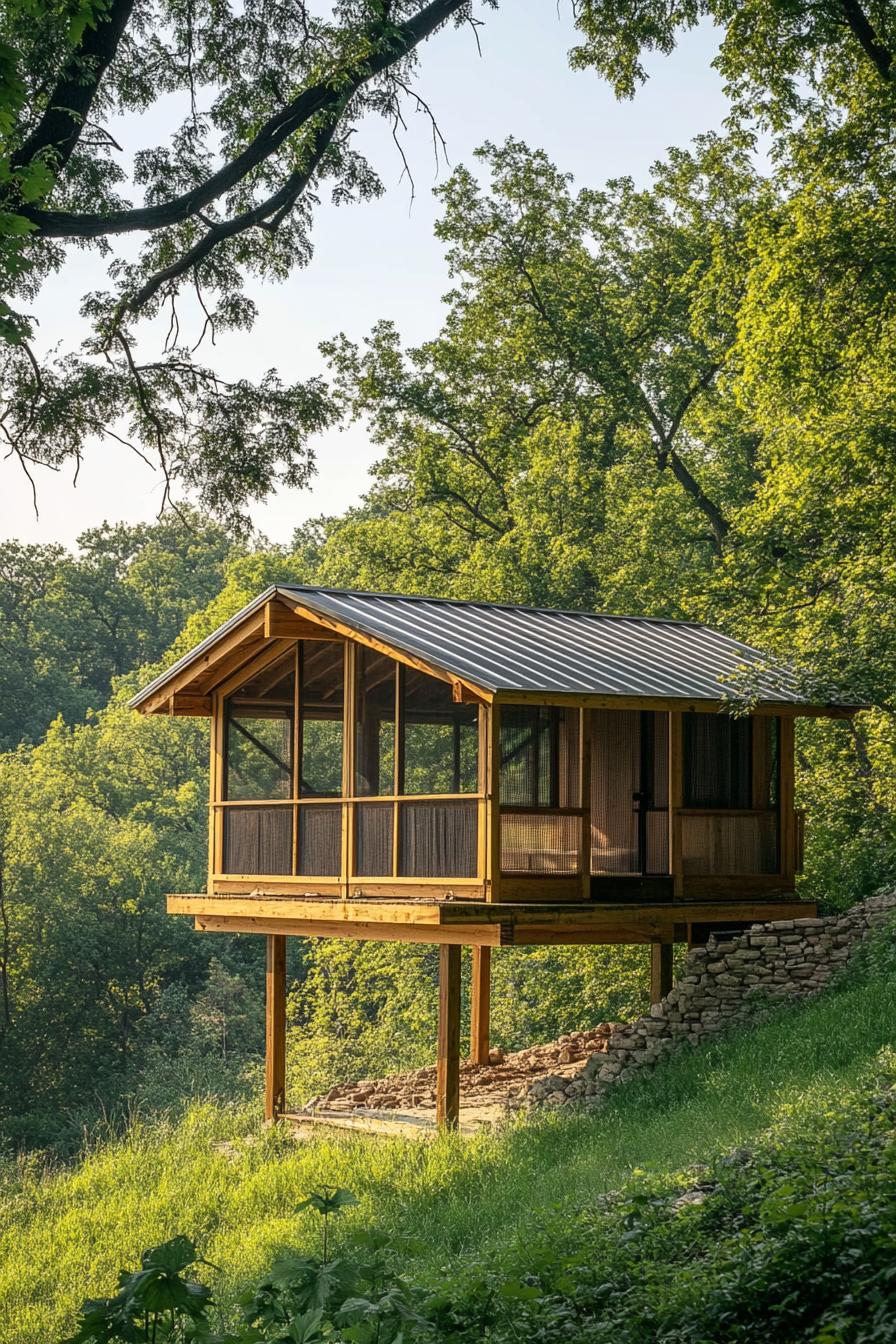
[{"x": 498, "y": 1083}]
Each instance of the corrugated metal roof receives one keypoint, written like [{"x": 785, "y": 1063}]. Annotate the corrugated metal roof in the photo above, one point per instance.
[{"x": 508, "y": 648}]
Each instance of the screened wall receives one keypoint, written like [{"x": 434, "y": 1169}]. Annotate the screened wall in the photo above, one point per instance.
[
  {"x": 629, "y": 792},
  {"x": 730, "y": 822},
  {"x": 397, "y": 798},
  {"x": 540, "y": 790},
  {"x": 339, "y": 763},
  {"x": 416, "y": 775},
  {"x": 283, "y": 735}
]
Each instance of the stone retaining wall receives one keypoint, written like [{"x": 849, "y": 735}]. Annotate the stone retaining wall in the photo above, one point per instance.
[{"x": 723, "y": 983}]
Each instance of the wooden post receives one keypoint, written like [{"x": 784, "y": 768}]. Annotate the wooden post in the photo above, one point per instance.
[
  {"x": 660, "y": 971},
  {"x": 217, "y": 788},
  {"x": 275, "y": 1028},
  {"x": 493, "y": 795},
  {"x": 676, "y": 802},
  {"x": 480, "y": 1004},
  {"x": 786, "y": 815},
  {"x": 448, "y": 1061}
]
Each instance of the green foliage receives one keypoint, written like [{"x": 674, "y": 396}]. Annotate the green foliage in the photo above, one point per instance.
[
  {"x": 455, "y": 1209},
  {"x": 154, "y": 1302},
  {"x": 601, "y": 1228},
  {"x": 71, "y": 624},
  {"x": 579, "y": 381}
]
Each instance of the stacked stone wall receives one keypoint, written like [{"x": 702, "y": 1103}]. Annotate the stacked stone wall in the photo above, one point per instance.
[{"x": 727, "y": 982}]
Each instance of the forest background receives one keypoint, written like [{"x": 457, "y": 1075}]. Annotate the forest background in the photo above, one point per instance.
[{"x": 676, "y": 400}]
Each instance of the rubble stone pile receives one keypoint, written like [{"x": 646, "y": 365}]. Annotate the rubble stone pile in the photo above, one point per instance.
[{"x": 505, "y": 1076}]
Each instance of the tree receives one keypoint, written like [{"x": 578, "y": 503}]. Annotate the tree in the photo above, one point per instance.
[
  {"x": 781, "y": 59},
  {"x": 95, "y": 825},
  {"x": 271, "y": 94},
  {"x": 70, "y": 624},
  {"x": 582, "y": 377}
]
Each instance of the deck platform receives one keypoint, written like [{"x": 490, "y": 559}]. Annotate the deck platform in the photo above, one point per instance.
[{"x": 478, "y": 923}]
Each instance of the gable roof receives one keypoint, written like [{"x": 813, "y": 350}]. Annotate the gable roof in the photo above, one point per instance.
[{"x": 502, "y": 650}]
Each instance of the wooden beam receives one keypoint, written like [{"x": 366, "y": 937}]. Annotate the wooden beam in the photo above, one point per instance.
[
  {"x": 660, "y": 971},
  {"x": 650, "y": 919},
  {"x": 590, "y": 701},
  {"x": 544, "y": 887},
  {"x": 448, "y": 1056},
  {"x": 190, "y": 706},
  {"x": 477, "y": 693},
  {"x": 233, "y": 675},
  {"x": 480, "y": 1004},
  {"x": 275, "y": 1028},
  {"x": 281, "y": 623},
  {"x": 248, "y": 631},
  {"x": 460, "y": 935}
]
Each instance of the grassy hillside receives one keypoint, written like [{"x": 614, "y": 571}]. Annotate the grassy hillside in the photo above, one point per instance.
[{"x": 466, "y": 1203}]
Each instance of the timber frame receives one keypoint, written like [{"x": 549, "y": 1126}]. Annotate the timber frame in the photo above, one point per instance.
[{"x": 496, "y": 902}]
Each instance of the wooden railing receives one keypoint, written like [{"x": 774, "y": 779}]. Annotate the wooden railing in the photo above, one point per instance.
[
  {"x": 392, "y": 838},
  {"x": 727, "y": 842}
]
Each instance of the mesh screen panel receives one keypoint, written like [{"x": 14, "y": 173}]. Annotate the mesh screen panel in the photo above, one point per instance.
[
  {"x": 439, "y": 739},
  {"x": 659, "y": 783},
  {"x": 258, "y": 750},
  {"x": 321, "y": 684},
  {"x": 629, "y": 756},
  {"x": 539, "y": 757},
  {"x": 533, "y": 842},
  {"x": 657, "y": 842},
  {"x": 717, "y": 760},
  {"x": 765, "y": 761},
  {"x": 437, "y": 839},
  {"x": 320, "y": 841},
  {"x": 373, "y": 840},
  {"x": 258, "y": 840},
  {"x": 374, "y": 724},
  {"x": 730, "y": 846},
  {"x": 259, "y": 754}
]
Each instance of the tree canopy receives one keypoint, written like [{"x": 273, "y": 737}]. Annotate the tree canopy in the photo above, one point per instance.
[
  {"x": 673, "y": 397},
  {"x": 268, "y": 97}
]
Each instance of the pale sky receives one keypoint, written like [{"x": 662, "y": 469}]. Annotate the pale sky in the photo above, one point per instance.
[{"x": 380, "y": 260}]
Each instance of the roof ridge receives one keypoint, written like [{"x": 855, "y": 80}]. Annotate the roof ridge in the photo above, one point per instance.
[{"x": 499, "y": 606}]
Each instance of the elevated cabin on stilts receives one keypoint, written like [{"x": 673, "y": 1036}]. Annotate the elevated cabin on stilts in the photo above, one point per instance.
[{"x": 421, "y": 770}]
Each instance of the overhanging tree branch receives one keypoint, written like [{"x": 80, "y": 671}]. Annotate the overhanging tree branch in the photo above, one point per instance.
[
  {"x": 71, "y": 100},
  {"x": 389, "y": 45},
  {"x": 278, "y": 204},
  {"x": 862, "y": 30}
]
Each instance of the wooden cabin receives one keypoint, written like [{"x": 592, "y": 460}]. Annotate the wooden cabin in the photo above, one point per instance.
[{"x": 422, "y": 770}]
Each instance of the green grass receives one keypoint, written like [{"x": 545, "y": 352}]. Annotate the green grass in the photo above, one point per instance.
[{"x": 221, "y": 1178}]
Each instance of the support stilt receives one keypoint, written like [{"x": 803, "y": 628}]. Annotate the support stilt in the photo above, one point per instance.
[
  {"x": 275, "y": 1028},
  {"x": 660, "y": 971},
  {"x": 448, "y": 1060},
  {"x": 480, "y": 1004}
]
